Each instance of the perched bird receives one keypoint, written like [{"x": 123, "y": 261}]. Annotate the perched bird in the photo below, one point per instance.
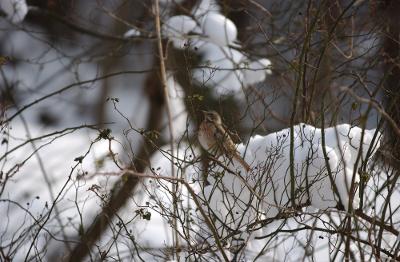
[{"x": 215, "y": 139}]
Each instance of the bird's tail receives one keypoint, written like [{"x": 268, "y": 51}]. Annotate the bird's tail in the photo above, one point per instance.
[{"x": 242, "y": 162}]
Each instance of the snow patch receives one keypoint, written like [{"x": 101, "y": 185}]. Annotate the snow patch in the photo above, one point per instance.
[{"x": 15, "y": 10}]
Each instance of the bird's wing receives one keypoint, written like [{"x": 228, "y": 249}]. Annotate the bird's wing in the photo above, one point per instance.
[
  {"x": 222, "y": 137},
  {"x": 234, "y": 136}
]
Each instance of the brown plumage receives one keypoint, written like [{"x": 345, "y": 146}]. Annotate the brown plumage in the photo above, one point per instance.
[{"x": 215, "y": 139}]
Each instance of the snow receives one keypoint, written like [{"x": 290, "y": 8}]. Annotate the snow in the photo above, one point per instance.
[
  {"x": 15, "y": 10},
  {"x": 231, "y": 196},
  {"x": 213, "y": 40},
  {"x": 220, "y": 30},
  {"x": 177, "y": 27},
  {"x": 228, "y": 196},
  {"x": 36, "y": 188},
  {"x": 131, "y": 33},
  {"x": 205, "y": 7},
  {"x": 219, "y": 64},
  {"x": 178, "y": 111},
  {"x": 256, "y": 71},
  {"x": 160, "y": 190}
]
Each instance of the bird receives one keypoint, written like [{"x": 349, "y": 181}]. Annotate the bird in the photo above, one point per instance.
[{"x": 214, "y": 138}]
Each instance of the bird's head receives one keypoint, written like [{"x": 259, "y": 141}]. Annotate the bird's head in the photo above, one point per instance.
[{"x": 212, "y": 116}]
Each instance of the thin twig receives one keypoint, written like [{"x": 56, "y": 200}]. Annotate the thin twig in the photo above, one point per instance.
[
  {"x": 375, "y": 105},
  {"x": 208, "y": 221},
  {"x": 63, "y": 89},
  {"x": 170, "y": 127}
]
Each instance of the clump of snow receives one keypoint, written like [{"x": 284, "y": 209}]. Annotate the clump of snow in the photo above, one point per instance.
[
  {"x": 219, "y": 68},
  {"x": 131, "y": 33},
  {"x": 256, "y": 71},
  {"x": 15, "y": 10},
  {"x": 222, "y": 67},
  {"x": 239, "y": 198},
  {"x": 205, "y": 7},
  {"x": 177, "y": 27},
  {"x": 219, "y": 29},
  {"x": 269, "y": 158}
]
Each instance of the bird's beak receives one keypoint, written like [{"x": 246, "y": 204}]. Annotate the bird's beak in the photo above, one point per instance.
[{"x": 204, "y": 112}]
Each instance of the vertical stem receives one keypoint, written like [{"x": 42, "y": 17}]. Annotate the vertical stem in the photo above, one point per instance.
[
  {"x": 301, "y": 63},
  {"x": 391, "y": 57},
  {"x": 391, "y": 53},
  {"x": 171, "y": 134}
]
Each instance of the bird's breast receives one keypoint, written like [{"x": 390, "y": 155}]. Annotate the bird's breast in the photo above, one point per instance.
[{"x": 206, "y": 136}]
